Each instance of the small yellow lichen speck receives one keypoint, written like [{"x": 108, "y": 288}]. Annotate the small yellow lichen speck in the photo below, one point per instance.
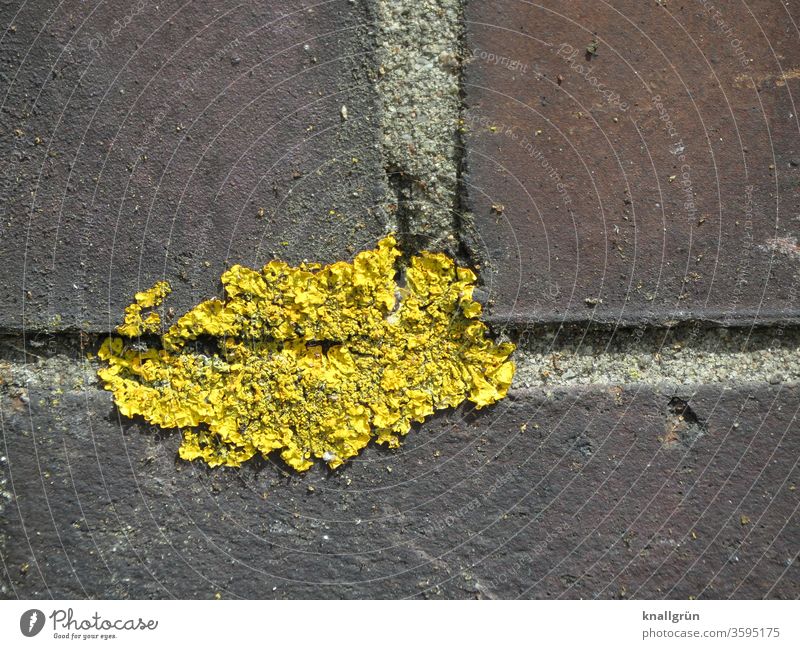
[{"x": 311, "y": 361}]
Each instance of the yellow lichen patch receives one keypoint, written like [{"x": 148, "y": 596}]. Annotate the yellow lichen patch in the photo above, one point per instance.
[
  {"x": 135, "y": 324},
  {"x": 311, "y": 361}
]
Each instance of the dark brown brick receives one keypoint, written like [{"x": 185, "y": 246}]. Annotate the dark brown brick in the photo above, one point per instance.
[
  {"x": 193, "y": 137},
  {"x": 571, "y": 494},
  {"x": 595, "y": 222}
]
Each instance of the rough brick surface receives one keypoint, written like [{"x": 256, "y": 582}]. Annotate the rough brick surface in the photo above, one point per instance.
[
  {"x": 167, "y": 141},
  {"x": 652, "y": 181},
  {"x": 148, "y": 141},
  {"x": 590, "y": 493}
]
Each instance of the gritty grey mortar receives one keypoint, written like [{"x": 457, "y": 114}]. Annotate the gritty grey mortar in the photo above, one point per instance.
[
  {"x": 419, "y": 55},
  {"x": 545, "y": 357},
  {"x": 686, "y": 355}
]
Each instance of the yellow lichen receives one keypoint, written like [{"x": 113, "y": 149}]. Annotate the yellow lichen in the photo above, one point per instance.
[
  {"x": 311, "y": 361},
  {"x": 134, "y": 324}
]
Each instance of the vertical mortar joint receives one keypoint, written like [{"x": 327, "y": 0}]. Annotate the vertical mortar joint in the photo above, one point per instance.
[{"x": 420, "y": 53}]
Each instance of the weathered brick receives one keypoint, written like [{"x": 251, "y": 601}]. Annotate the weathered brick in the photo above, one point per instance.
[
  {"x": 653, "y": 181},
  {"x": 192, "y": 138},
  {"x": 575, "y": 493}
]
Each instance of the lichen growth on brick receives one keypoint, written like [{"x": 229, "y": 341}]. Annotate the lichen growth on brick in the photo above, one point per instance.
[
  {"x": 135, "y": 324},
  {"x": 311, "y": 361}
]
